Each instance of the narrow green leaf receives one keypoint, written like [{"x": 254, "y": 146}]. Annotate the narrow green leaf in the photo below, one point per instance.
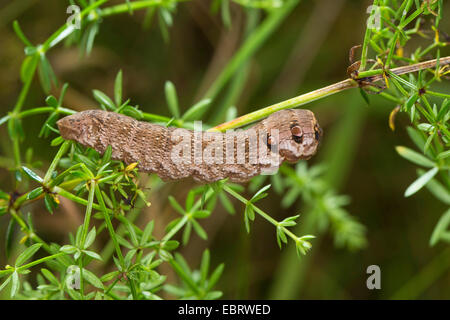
[
  {"x": 46, "y": 74},
  {"x": 50, "y": 203},
  {"x": 35, "y": 193},
  {"x": 20, "y": 33},
  {"x": 420, "y": 182},
  {"x": 176, "y": 205},
  {"x": 204, "y": 266},
  {"x": 90, "y": 238},
  {"x": 57, "y": 141},
  {"x": 15, "y": 284},
  {"x": 414, "y": 156},
  {"x": 443, "y": 155},
  {"x": 28, "y": 67},
  {"x": 32, "y": 175},
  {"x": 92, "y": 279},
  {"x": 118, "y": 88},
  {"x": 197, "y": 111},
  {"x": 186, "y": 233},
  {"x": 147, "y": 234},
  {"x": 225, "y": 13},
  {"x": 201, "y": 214},
  {"x": 226, "y": 203},
  {"x": 411, "y": 101},
  {"x": 27, "y": 254},
  {"x": 51, "y": 101},
  {"x": 438, "y": 190},
  {"x": 260, "y": 194},
  {"x": 92, "y": 254},
  {"x": 365, "y": 96},
  {"x": 104, "y": 100},
  {"x": 50, "y": 277},
  {"x": 444, "y": 109},
  {"x": 213, "y": 295},
  {"x": 5, "y": 283},
  {"x": 199, "y": 230},
  {"x": 215, "y": 276},
  {"x": 170, "y": 245},
  {"x": 417, "y": 137},
  {"x": 440, "y": 228},
  {"x": 9, "y": 237},
  {"x": 172, "y": 100},
  {"x": 69, "y": 249}
]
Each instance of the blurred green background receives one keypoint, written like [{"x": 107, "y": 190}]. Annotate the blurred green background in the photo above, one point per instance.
[{"x": 308, "y": 50}]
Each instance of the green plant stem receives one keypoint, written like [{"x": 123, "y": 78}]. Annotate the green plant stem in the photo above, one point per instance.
[
  {"x": 62, "y": 150},
  {"x": 39, "y": 110},
  {"x": 290, "y": 103},
  {"x": 131, "y": 216},
  {"x": 87, "y": 216},
  {"x": 70, "y": 196},
  {"x": 20, "y": 101},
  {"x": 365, "y": 46},
  {"x": 157, "y": 118},
  {"x": 108, "y": 223},
  {"x": 31, "y": 264},
  {"x": 112, "y": 234},
  {"x": 26, "y": 86},
  {"x": 261, "y": 213},
  {"x": 375, "y": 75},
  {"x": 136, "y": 5}
]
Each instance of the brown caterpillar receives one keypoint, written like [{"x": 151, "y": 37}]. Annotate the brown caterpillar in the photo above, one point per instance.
[{"x": 175, "y": 153}]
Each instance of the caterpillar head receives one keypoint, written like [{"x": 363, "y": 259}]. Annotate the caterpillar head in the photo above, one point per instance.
[
  {"x": 299, "y": 133},
  {"x": 79, "y": 125}
]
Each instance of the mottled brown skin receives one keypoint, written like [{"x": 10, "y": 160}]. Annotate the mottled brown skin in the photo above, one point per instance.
[{"x": 150, "y": 145}]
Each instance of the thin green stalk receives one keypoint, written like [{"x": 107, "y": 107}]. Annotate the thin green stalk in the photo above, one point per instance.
[
  {"x": 131, "y": 216},
  {"x": 376, "y": 75},
  {"x": 70, "y": 196},
  {"x": 157, "y": 118},
  {"x": 438, "y": 94},
  {"x": 290, "y": 103},
  {"x": 26, "y": 86},
  {"x": 87, "y": 216},
  {"x": 365, "y": 45},
  {"x": 176, "y": 228},
  {"x": 108, "y": 223},
  {"x": 62, "y": 150},
  {"x": 136, "y": 5},
  {"x": 112, "y": 234},
  {"x": 261, "y": 213},
  {"x": 33, "y": 263}
]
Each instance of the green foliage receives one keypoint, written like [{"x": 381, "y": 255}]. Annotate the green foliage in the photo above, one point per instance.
[
  {"x": 428, "y": 111},
  {"x": 111, "y": 193}
]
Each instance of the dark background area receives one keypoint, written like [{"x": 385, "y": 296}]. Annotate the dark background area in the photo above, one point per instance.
[{"x": 308, "y": 51}]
